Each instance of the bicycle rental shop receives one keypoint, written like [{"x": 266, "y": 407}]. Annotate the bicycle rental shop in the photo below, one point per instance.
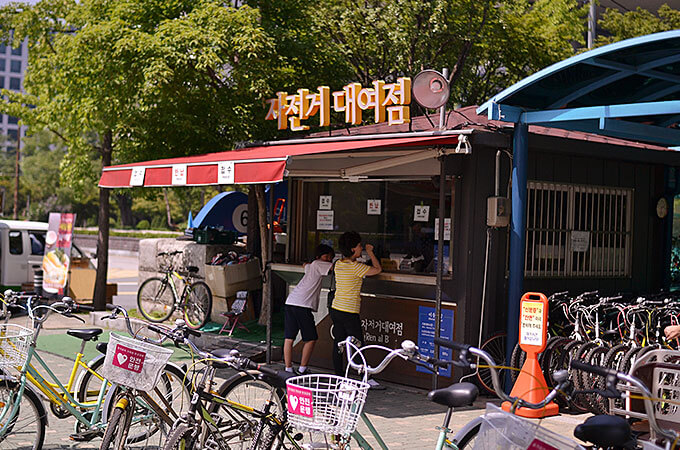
[{"x": 594, "y": 216}]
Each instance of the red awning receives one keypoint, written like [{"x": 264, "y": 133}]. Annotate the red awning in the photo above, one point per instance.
[{"x": 264, "y": 164}]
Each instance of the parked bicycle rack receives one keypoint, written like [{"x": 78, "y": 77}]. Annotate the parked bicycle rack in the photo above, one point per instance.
[{"x": 659, "y": 369}]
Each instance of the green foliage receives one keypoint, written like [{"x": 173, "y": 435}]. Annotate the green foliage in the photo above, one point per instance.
[
  {"x": 143, "y": 224},
  {"x": 636, "y": 23},
  {"x": 487, "y": 45}
]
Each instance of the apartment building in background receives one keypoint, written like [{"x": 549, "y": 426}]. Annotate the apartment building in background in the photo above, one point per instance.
[{"x": 13, "y": 62}]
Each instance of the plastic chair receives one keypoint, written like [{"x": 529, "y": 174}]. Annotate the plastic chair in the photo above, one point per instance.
[{"x": 234, "y": 315}]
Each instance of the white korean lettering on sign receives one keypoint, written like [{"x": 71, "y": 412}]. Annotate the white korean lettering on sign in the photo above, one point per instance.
[
  {"x": 373, "y": 207},
  {"x": 447, "y": 229},
  {"x": 137, "y": 176},
  {"x": 531, "y": 323},
  {"x": 225, "y": 172},
  {"x": 325, "y": 201},
  {"x": 580, "y": 241},
  {"x": 179, "y": 174},
  {"x": 324, "y": 220},
  {"x": 421, "y": 213}
]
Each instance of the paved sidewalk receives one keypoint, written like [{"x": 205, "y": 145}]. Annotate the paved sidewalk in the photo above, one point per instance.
[{"x": 403, "y": 415}]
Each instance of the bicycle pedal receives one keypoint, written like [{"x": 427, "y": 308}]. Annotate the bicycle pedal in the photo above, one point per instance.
[{"x": 84, "y": 436}]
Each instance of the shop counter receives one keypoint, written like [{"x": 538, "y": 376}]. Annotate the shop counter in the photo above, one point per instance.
[{"x": 391, "y": 311}]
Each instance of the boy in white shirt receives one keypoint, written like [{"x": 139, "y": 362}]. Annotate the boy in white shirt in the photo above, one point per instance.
[{"x": 299, "y": 306}]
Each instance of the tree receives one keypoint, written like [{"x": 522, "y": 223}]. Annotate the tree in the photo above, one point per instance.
[
  {"x": 129, "y": 80},
  {"x": 619, "y": 26},
  {"x": 486, "y": 44}
]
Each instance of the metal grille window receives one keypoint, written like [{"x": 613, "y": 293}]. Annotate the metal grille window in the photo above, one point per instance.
[{"x": 578, "y": 231}]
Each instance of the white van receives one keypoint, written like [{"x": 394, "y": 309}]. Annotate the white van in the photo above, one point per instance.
[{"x": 22, "y": 245}]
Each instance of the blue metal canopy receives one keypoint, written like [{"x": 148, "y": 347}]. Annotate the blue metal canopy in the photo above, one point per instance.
[{"x": 629, "y": 89}]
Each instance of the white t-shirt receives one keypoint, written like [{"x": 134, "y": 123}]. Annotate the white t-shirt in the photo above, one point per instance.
[{"x": 306, "y": 293}]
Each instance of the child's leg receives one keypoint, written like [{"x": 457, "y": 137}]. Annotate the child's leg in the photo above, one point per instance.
[
  {"x": 307, "y": 350},
  {"x": 288, "y": 352}
]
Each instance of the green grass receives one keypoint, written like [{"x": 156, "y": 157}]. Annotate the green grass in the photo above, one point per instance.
[{"x": 134, "y": 234}]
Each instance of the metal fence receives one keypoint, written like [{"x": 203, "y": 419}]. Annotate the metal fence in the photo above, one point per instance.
[{"x": 578, "y": 231}]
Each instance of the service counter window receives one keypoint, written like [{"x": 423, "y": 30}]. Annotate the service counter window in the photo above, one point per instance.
[{"x": 397, "y": 217}]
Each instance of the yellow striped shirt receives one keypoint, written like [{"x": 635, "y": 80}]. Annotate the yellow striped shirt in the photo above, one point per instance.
[{"x": 349, "y": 276}]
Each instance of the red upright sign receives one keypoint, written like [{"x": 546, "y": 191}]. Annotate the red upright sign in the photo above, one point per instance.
[{"x": 57, "y": 257}]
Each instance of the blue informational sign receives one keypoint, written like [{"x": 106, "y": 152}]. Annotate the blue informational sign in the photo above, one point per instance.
[{"x": 426, "y": 316}]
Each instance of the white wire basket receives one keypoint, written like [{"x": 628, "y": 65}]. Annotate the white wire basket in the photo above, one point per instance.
[
  {"x": 14, "y": 343},
  {"x": 325, "y": 403},
  {"x": 134, "y": 363},
  {"x": 502, "y": 430}
]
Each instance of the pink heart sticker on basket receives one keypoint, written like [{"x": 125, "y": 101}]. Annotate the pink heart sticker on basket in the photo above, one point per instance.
[
  {"x": 300, "y": 401},
  {"x": 128, "y": 358},
  {"x": 540, "y": 445}
]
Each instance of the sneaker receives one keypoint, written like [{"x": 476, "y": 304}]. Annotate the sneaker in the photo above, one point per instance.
[
  {"x": 306, "y": 372},
  {"x": 375, "y": 385}
]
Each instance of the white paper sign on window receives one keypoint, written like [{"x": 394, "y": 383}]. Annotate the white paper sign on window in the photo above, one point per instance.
[
  {"x": 179, "y": 174},
  {"x": 373, "y": 207},
  {"x": 325, "y": 201},
  {"x": 137, "y": 176},
  {"x": 580, "y": 241},
  {"x": 421, "y": 213},
  {"x": 324, "y": 220},
  {"x": 225, "y": 172},
  {"x": 447, "y": 229}
]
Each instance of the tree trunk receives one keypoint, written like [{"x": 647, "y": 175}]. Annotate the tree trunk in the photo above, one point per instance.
[
  {"x": 262, "y": 219},
  {"x": 125, "y": 206},
  {"x": 167, "y": 209},
  {"x": 99, "y": 297},
  {"x": 253, "y": 241}
]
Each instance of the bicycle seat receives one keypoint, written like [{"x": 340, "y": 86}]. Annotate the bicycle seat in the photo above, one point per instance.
[
  {"x": 85, "y": 334},
  {"x": 221, "y": 353},
  {"x": 101, "y": 347},
  {"x": 454, "y": 396},
  {"x": 605, "y": 431},
  {"x": 192, "y": 269}
]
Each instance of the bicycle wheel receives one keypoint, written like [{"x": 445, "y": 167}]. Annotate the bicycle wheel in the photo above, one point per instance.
[
  {"x": 146, "y": 425},
  {"x": 494, "y": 346},
  {"x": 27, "y": 429},
  {"x": 468, "y": 441},
  {"x": 155, "y": 299},
  {"x": 119, "y": 424},
  {"x": 182, "y": 437},
  {"x": 237, "y": 427},
  {"x": 89, "y": 385},
  {"x": 197, "y": 306}
]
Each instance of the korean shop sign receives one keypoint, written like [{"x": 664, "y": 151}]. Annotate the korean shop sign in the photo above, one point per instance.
[{"x": 388, "y": 101}]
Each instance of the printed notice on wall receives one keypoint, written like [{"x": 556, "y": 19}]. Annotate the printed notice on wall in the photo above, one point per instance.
[
  {"x": 373, "y": 207},
  {"x": 137, "y": 176},
  {"x": 225, "y": 172},
  {"x": 179, "y": 174},
  {"x": 421, "y": 213},
  {"x": 531, "y": 323},
  {"x": 325, "y": 201},
  {"x": 580, "y": 241},
  {"x": 426, "y": 327},
  {"x": 324, "y": 220},
  {"x": 447, "y": 229}
]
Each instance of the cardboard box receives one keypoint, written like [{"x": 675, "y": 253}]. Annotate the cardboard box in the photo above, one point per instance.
[
  {"x": 223, "y": 304},
  {"x": 225, "y": 281},
  {"x": 81, "y": 285}
]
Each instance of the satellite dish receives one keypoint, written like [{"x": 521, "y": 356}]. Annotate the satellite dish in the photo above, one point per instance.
[{"x": 430, "y": 89}]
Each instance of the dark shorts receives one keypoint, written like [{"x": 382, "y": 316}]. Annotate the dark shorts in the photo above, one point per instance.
[{"x": 302, "y": 320}]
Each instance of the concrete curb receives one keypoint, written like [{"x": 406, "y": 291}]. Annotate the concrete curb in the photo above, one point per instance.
[{"x": 207, "y": 341}]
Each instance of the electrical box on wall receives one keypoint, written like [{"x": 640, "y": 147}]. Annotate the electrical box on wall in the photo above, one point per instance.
[{"x": 497, "y": 211}]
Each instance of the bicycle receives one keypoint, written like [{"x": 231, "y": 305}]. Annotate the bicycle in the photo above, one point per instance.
[
  {"x": 158, "y": 297},
  {"x": 23, "y": 418},
  {"x": 231, "y": 416},
  {"x": 136, "y": 366}
]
